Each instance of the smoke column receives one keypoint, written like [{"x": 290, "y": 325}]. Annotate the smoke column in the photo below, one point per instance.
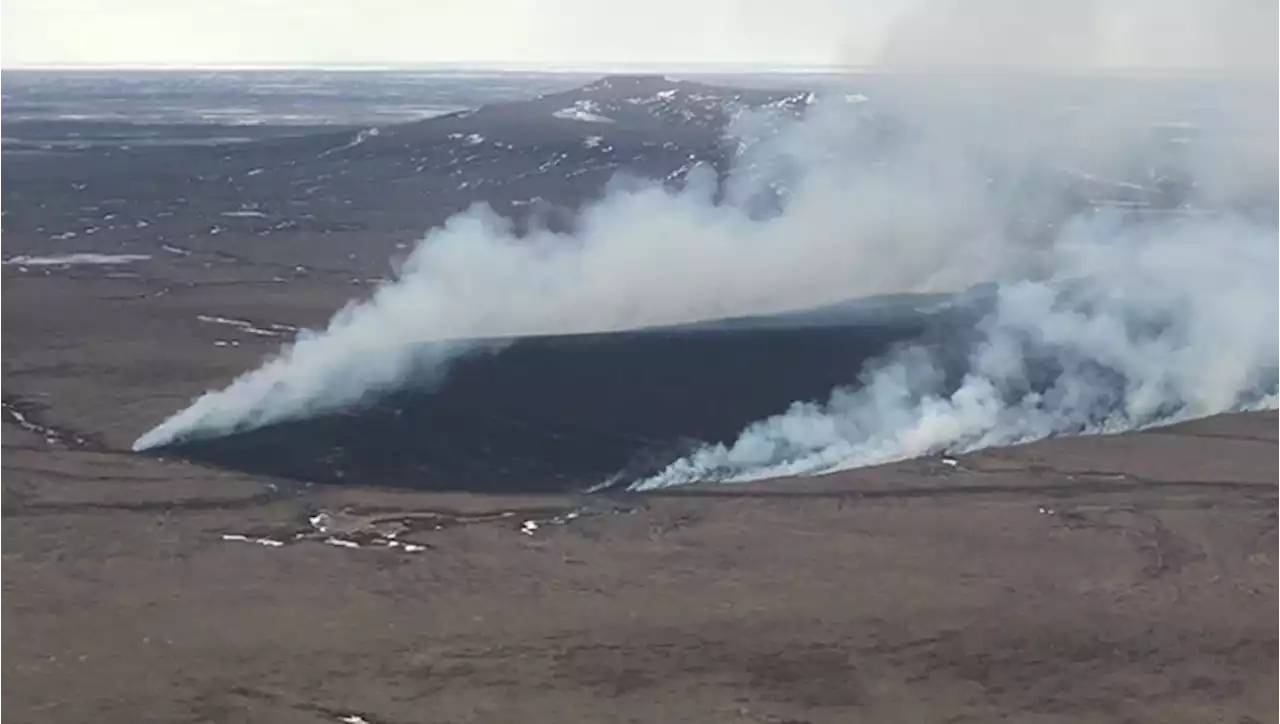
[
  {"x": 1138, "y": 326},
  {"x": 644, "y": 255},
  {"x": 1132, "y": 324},
  {"x": 937, "y": 184}
]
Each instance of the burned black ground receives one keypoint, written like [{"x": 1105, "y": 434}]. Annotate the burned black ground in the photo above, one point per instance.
[{"x": 563, "y": 413}]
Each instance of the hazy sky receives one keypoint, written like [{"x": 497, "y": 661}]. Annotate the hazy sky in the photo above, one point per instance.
[
  {"x": 933, "y": 33},
  {"x": 114, "y": 32}
]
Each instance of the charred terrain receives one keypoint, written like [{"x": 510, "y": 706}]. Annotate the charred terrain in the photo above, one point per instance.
[{"x": 310, "y": 573}]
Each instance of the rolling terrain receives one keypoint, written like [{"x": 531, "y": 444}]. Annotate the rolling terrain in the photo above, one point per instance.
[{"x": 1126, "y": 578}]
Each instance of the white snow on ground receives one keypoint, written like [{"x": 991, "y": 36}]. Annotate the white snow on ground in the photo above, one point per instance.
[
  {"x": 575, "y": 114},
  {"x": 247, "y": 326},
  {"x": 583, "y": 111},
  {"x": 468, "y": 139},
  {"x": 30, "y": 426},
  {"x": 269, "y": 542},
  {"x": 79, "y": 258},
  {"x": 359, "y": 138}
]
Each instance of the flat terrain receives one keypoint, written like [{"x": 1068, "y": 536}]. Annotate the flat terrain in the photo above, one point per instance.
[{"x": 1121, "y": 579}]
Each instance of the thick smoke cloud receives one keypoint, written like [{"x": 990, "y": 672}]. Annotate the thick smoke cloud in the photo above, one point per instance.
[
  {"x": 1138, "y": 326},
  {"x": 933, "y": 196},
  {"x": 645, "y": 255},
  {"x": 1134, "y": 324},
  {"x": 933, "y": 186}
]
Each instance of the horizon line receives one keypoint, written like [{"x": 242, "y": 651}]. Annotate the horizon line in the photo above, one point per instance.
[
  {"x": 576, "y": 67},
  {"x": 587, "y": 68}
]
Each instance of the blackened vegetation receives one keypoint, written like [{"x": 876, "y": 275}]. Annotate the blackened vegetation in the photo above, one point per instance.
[{"x": 564, "y": 413}]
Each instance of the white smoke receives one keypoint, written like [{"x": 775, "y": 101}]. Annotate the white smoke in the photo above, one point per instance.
[
  {"x": 860, "y": 217},
  {"x": 972, "y": 181},
  {"x": 645, "y": 255},
  {"x": 1132, "y": 325},
  {"x": 1138, "y": 326}
]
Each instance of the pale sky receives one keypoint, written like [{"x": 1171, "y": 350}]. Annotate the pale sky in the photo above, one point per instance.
[
  {"x": 558, "y": 32},
  {"x": 612, "y": 33}
]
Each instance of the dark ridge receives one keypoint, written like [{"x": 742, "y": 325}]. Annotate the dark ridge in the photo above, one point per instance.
[
  {"x": 566, "y": 413},
  {"x": 538, "y": 158}
]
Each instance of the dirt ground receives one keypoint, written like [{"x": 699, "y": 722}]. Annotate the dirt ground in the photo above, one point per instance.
[{"x": 1121, "y": 579}]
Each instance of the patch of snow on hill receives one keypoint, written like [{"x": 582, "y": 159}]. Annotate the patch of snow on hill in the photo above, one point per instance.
[
  {"x": 81, "y": 258},
  {"x": 584, "y": 112}
]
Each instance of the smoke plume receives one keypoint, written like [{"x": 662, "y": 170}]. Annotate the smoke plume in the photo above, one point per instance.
[
  {"x": 646, "y": 255},
  {"x": 1099, "y": 322},
  {"x": 1134, "y": 322},
  {"x": 1138, "y": 326}
]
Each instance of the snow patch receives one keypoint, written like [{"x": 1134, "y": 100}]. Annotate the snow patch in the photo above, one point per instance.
[
  {"x": 243, "y": 324},
  {"x": 359, "y": 138},
  {"x": 269, "y": 542},
  {"x": 79, "y": 258},
  {"x": 583, "y": 112}
]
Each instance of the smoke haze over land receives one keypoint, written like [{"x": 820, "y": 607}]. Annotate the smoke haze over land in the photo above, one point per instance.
[
  {"x": 642, "y": 256},
  {"x": 1100, "y": 321},
  {"x": 1165, "y": 36},
  {"x": 1137, "y": 323},
  {"x": 1138, "y": 326}
]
